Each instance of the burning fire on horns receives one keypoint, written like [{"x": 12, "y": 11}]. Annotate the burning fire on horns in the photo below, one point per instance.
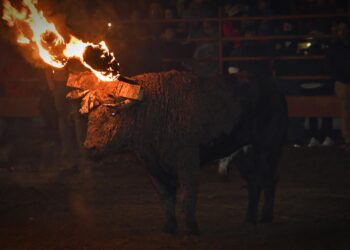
[{"x": 33, "y": 29}]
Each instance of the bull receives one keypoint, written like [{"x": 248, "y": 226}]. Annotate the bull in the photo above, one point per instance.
[{"x": 184, "y": 121}]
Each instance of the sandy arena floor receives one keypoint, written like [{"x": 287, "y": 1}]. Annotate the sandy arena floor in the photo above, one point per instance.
[{"x": 115, "y": 207}]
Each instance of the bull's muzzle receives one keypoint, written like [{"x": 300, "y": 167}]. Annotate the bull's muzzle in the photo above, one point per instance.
[{"x": 94, "y": 153}]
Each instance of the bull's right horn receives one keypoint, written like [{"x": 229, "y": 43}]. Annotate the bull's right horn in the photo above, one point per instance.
[{"x": 77, "y": 94}]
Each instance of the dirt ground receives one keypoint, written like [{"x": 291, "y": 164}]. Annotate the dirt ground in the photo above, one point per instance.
[{"x": 114, "y": 206}]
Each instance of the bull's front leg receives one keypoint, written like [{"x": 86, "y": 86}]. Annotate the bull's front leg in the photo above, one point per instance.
[
  {"x": 188, "y": 173},
  {"x": 166, "y": 187}
]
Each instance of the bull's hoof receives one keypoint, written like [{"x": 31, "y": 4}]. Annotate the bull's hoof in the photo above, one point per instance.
[
  {"x": 192, "y": 229},
  {"x": 266, "y": 219},
  {"x": 170, "y": 228},
  {"x": 69, "y": 172},
  {"x": 251, "y": 219},
  {"x": 193, "y": 232}
]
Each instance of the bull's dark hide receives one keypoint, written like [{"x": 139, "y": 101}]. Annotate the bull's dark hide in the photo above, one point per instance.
[{"x": 184, "y": 120}]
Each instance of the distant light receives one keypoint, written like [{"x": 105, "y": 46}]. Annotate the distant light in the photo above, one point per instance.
[
  {"x": 232, "y": 70},
  {"x": 308, "y": 45},
  {"x": 109, "y": 25}
]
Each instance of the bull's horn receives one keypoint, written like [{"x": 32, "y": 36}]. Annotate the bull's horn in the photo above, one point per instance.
[
  {"x": 126, "y": 104},
  {"x": 111, "y": 105},
  {"x": 77, "y": 94},
  {"x": 121, "y": 105},
  {"x": 119, "y": 99}
]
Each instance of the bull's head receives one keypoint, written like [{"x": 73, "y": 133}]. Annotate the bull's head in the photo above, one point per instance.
[{"x": 102, "y": 101}]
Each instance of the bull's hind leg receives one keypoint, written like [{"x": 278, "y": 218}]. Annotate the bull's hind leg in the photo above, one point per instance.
[
  {"x": 269, "y": 200},
  {"x": 248, "y": 166},
  {"x": 269, "y": 161},
  {"x": 166, "y": 187},
  {"x": 254, "y": 190}
]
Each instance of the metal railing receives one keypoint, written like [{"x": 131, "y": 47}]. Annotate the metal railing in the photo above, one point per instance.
[{"x": 220, "y": 39}]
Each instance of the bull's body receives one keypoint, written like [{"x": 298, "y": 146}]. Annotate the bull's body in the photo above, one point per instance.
[{"x": 184, "y": 122}]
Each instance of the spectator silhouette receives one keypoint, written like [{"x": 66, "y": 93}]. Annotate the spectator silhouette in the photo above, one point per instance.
[
  {"x": 197, "y": 9},
  {"x": 206, "y": 51},
  {"x": 338, "y": 59}
]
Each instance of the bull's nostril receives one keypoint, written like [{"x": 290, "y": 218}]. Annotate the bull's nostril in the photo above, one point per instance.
[
  {"x": 93, "y": 150},
  {"x": 94, "y": 154}
]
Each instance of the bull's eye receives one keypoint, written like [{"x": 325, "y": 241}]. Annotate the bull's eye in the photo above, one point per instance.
[{"x": 114, "y": 112}]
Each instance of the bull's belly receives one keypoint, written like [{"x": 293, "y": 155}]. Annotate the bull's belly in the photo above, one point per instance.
[{"x": 222, "y": 147}]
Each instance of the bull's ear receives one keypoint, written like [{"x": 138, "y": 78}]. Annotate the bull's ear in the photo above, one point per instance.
[
  {"x": 77, "y": 94},
  {"x": 89, "y": 102}
]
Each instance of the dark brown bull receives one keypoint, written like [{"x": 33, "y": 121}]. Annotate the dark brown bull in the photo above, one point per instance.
[{"x": 184, "y": 121}]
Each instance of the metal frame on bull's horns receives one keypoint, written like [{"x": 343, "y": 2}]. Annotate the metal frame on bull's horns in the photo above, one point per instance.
[
  {"x": 128, "y": 98},
  {"x": 129, "y": 89},
  {"x": 121, "y": 105},
  {"x": 126, "y": 93}
]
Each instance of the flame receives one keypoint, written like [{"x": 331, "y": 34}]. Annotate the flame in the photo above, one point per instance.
[
  {"x": 22, "y": 39},
  {"x": 34, "y": 29},
  {"x": 76, "y": 49}
]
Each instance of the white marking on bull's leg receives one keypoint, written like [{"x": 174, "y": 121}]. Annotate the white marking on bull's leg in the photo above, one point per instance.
[
  {"x": 224, "y": 162},
  {"x": 223, "y": 165}
]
